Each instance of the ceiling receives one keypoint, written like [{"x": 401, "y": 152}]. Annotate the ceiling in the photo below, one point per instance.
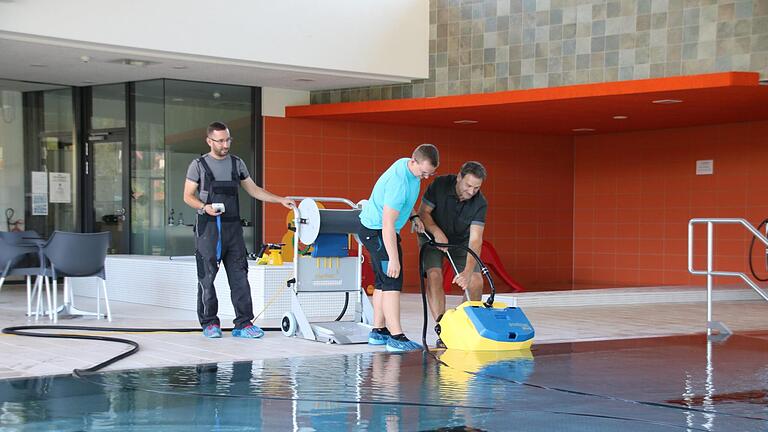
[
  {"x": 75, "y": 64},
  {"x": 573, "y": 110}
]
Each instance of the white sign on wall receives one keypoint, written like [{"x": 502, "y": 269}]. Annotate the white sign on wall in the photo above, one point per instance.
[
  {"x": 39, "y": 182},
  {"x": 60, "y": 187},
  {"x": 705, "y": 167},
  {"x": 39, "y": 204}
]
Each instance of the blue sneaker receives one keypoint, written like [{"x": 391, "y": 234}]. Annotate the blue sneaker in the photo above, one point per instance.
[
  {"x": 378, "y": 336},
  {"x": 248, "y": 332},
  {"x": 212, "y": 331},
  {"x": 401, "y": 343}
]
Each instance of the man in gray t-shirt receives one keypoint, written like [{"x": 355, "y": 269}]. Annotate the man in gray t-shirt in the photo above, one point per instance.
[
  {"x": 221, "y": 169},
  {"x": 213, "y": 183}
]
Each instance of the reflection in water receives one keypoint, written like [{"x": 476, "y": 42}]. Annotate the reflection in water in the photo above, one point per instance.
[{"x": 415, "y": 392}]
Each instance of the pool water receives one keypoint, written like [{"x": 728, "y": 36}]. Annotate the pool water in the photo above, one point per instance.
[{"x": 659, "y": 384}]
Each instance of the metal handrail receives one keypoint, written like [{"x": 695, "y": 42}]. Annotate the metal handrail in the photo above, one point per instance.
[{"x": 710, "y": 272}]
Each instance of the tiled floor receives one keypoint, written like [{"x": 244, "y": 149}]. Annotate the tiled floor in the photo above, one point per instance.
[{"x": 553, "y": 319}]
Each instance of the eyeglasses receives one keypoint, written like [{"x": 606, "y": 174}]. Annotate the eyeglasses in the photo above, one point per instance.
[{"x": 221, "y": 141}]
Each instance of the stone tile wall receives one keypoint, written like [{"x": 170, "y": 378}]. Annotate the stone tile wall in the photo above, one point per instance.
[{"x": 483, "y": 46}]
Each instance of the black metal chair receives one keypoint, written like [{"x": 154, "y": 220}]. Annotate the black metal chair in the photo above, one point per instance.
[
  {"x": 71, "y": 255},
  {"x": 19, "y": 256}
]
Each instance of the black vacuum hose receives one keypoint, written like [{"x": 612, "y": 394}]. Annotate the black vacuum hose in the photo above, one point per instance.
[
  {"x": 22, "y": 331},
  {"x": 344, "y": 309},
  {"x": 751, "y": 258},
  {"x": 483, "y": 269}
]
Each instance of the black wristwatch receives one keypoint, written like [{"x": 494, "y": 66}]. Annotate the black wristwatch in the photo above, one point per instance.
[{"x": 410, "y": 219}]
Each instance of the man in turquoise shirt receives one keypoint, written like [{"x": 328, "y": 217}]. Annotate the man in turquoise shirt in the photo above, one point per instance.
[{"x": 388, "y": 209}]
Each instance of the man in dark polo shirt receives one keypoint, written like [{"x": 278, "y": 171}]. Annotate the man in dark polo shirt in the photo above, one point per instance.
[{"x": 453, "y": 211}]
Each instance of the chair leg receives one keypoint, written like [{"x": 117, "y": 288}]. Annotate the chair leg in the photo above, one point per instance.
[
  {"x": 98, "y": 303},
  {"x": 54, "y": 311},
  {"x": 39, "y": 301},
  {"x": 4, "y": 273},
  {"x": 29, "y": 295},
  {"x": 106, "y": 300},
  {"x": 48, "y": 295},
  {"x": 71, "y": 293}
]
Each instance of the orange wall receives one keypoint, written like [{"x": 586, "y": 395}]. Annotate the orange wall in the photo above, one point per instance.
[
  {"x": 635, "y": 192},
  {"x": 529, "y": 186}
]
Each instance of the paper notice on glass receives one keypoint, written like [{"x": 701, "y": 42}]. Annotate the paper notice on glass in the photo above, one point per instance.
[
  {"x": 60, "y": 187},
  {"x": 40, "y": 182},
  {"x": 39, "y": 204}
]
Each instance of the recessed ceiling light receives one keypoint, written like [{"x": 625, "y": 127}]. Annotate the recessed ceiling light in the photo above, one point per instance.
[
  {"x": 38, "y": 65},
  {"x": 177, "y": 99},
  {"x": 179, "y": 67},
  {"x": 620, "y": 117},
  {"x": 88, "y": 82},
  {"x": 667, "y": 101},
  {"x": 465, "y": 122},
  {"x": 133, "y": 62},
  {"x": 85, "y": 59},
  {"x": 583, "y": 130},
  {"x": 304, "y": 80}
]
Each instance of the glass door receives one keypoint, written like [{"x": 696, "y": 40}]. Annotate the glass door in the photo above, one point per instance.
[
  {"x": 108, "y": 159},
  {"x": 110, "y": 206}
]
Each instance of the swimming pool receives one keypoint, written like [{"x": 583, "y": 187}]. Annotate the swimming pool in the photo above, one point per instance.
[{"x": 660, "y": 384}]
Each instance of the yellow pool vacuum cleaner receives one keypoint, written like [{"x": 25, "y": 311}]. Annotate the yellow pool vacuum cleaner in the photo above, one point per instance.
[{"x": 477, "y": 325}]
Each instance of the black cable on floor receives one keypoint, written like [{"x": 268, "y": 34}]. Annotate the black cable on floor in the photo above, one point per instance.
[{"x": 22, "y": 331}]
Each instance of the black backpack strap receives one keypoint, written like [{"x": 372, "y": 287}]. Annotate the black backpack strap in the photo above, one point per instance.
[
  {"x": 208, "y": 177},
  {"x": 236, "y": 175},
  {"x": 235, "y": 170}
]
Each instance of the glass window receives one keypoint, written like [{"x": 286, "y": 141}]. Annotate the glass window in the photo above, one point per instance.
[
  {"x": 171, "y": 121},
  {"x": 39, "y": 169},
  {"x": 12, "y": 202},
  {"x": 108, "y": 106},
  {"x": 148, "y": 214}
]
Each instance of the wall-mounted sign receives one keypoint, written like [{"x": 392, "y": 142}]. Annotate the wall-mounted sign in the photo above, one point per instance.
[{"x": 705, "y": 167}]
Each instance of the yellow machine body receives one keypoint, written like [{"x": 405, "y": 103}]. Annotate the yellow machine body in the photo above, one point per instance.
[{"x": 474, "y": 327}]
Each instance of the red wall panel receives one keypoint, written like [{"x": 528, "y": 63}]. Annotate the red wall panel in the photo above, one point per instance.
[{"x": 635, "y": 192}]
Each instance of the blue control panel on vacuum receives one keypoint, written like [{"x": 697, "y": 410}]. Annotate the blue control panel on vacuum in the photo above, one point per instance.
[{"x": 505, "y": 325}]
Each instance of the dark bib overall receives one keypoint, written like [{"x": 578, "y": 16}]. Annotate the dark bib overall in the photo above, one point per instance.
[{"x": 220, "y": 239}]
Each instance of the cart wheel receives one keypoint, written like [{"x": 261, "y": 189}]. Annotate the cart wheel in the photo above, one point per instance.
[{"x": 288, "y": 324}]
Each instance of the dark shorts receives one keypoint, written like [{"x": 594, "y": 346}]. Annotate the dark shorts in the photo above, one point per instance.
[
  {"x": 374, "y": 243},
  {"x": 434, "y": 258}
]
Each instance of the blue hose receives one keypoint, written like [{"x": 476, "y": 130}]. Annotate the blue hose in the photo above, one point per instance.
[{"x": 218, "y": 242}]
